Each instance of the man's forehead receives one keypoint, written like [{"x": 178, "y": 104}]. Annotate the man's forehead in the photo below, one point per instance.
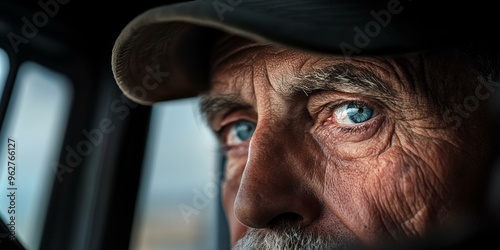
[
  {"x": 238, "y": 64},
  {"x": 236, "y": 59}
]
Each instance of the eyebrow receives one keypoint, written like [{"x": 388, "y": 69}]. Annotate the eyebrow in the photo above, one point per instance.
[
  {"x": 341, "y": 77},
  {"x": 211, "y": 105}
]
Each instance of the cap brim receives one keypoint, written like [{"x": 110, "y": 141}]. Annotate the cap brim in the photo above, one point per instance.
[{"x": 163, "y": 54}]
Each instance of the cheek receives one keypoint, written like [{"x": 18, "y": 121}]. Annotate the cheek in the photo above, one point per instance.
[
  {"x": 352, "y": 181},
  {"x": 232, "y": 177},
  {"x": 350, "y": 196},
  {"x": 234, "y": 169},
  {"x": 236, "y": 229},
  {"x": 386, "y": 196},
  {"x": 229, "y": 191},
  {"x": 230, "y": 187},
  {"x": 411, "y": 194}
]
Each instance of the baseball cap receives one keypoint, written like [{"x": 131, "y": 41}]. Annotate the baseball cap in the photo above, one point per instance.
[{"x": 164, "y": 53}]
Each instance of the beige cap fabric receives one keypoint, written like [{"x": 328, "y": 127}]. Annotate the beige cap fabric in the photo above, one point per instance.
[{"x": 163, "y": 53}]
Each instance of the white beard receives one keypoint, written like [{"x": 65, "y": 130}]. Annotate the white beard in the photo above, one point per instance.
[{"x": 290, "y": 238}]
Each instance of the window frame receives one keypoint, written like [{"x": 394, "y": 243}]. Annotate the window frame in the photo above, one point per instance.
[{"x": 89, "y": 73}]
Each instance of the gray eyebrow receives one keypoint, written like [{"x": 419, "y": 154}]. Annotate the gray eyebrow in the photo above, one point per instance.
[
  {"x": 342, "y": 77},
  {"x": 212, "y": 104}
]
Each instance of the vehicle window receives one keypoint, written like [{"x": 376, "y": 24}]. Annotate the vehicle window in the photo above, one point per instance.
[
  {"x": 4, "y": 69},
  {"x": 178, "y": 194},
  {"x": 30, "y": 141}
]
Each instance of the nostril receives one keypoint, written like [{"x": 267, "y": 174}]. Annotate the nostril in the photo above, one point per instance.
[{"x": 288, "y": 219}]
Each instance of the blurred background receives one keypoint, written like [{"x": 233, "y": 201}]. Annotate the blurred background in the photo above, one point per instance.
[{"x": 93, "y": 169}]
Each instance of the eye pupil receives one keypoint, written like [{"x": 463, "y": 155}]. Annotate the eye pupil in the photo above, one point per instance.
[{"x": 358, "y": 113}]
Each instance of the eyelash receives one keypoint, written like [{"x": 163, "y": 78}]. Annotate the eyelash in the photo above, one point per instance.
[{"x": 332, "y": 106}]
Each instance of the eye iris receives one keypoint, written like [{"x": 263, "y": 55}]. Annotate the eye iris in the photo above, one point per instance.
[
  {"x": 244, "y": 130},
  {"x": 359, "y": 113}
]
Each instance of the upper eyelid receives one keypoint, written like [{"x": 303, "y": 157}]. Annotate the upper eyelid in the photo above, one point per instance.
[
  {"x": 337, "y": 105},
  {"x": 331, "y": 99},
  {"x": 230, "y": 119}
]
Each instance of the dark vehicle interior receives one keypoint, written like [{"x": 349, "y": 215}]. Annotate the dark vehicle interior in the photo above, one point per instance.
[
  {"x": 86, "y": 193},
  {"x": 75, "y": 39}
]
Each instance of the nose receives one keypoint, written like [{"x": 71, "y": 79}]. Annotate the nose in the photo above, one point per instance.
[{"x": 275, "y": 184}]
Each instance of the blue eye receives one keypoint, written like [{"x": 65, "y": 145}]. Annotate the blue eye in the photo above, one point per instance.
[
  {"x": 241, "y": 131},
  {"x": 353, "y": 113}
]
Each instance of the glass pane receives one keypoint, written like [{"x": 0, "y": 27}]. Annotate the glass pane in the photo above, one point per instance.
[
  {"x": 178, "y": 195},
  {"x": 36, "y": 120},
  {"x": 4, "y": 70}
]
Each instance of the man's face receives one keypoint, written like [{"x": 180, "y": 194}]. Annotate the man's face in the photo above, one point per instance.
[{"x": 325, "y": 150}]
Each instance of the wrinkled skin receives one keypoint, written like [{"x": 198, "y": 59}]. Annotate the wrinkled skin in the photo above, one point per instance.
[{"x": 400, "y": 175}]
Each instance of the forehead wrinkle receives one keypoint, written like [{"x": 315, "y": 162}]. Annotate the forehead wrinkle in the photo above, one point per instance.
[
  {"x": 266, "y": 73},
  {"x": 406, "y": 71},
  {"x": 400, "y": 71},
  {"x": 225, "y": 52},
  {"x": 423, "y": 79}
]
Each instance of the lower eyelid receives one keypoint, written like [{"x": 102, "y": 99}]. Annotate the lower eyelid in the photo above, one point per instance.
[
  {"x": 357, "y": 127},
  {"x": 353, "y": 133},
  {"x": 331, "y": 131},
  {"x": 236, "y": 150}
]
